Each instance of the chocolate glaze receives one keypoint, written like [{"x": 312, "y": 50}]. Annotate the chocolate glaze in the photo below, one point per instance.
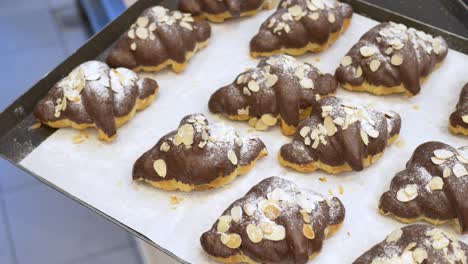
[
  {"x": 347, "y": 144},
  {"x": 443, "y": 203},
  {"x": 95, "y": 94},
  {"x": 419, "y": 52},
  {"x": 313, "y": 22},
  {"x": 295, "y": 247},
  {"x": 158, "y": 36},
  {"x": 195, "y": 165},
  {"x": 417, "y": 244},
  {"x": 216, "y": 7},
  {"x": 460, "y": 116},
  {"x": 286, "y": 97}
]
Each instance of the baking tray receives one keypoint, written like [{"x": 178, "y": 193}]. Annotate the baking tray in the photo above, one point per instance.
[{"x": 17, "y": 140}]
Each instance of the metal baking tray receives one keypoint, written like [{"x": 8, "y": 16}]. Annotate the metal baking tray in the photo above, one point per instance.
[{"x": 17, "y": 140}]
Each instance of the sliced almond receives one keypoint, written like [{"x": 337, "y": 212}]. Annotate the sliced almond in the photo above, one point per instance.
[
  {"x": 133, "y": 46},
  {"x": 374, "y": 65},
  {"x": 142, "y": 33},
  {"x": 437, "y": 161},
  {"x": 254, "y": 233},
  {"x": 250, "y": 209},
  {"x": 331, "y": 18},
  {"x": 305, "y": 131},
  {"x": 396, "y": 60},
  {"x": 307, "y": 141},
  {"x": 152, "y": 27},
  {"x": 224, "y": 223},
  {"x": 419, "y": 255},
  {"x": 440, "y": 243},
  {"x": 164, "y": 147},
  {"x": 160, "y": 167},
  {"x": 186, "y": 133},
  {"x": 253, "y": 86},
  {"x": 358, "y": 72},
  {"x": 367, "y": 51},
  {"x": 142, "y": 21},
  {"x": 278, "y": 234},
  {"x": 409, "y": 193},
  {"x": 443, "y": 153},
  {"x": 305, "y": 216},
  {"x": 246, "y": 91},
  {"x": 271, "y": 80},
  {"x": 271, "y": 210},
  {"x": 465, "y": 119},
  {"x": 269, "y": 119},
  {"x": 314, "y": 16},
  {"x": 202, "y": 144},
  {"x": 459, "y": 170},
  {"x": 267, "y": 227},
  {"x": 436, "y": 183},
  {"x": 186, "y": 25},
  {"x": 232, "y": 241},
  {"x": 446, "y": 172},
  {"x": 394, "y": 236},
  {"x": 307, "y": 83},
  {"x": 308, "y": 231},
  {"x": 131, "y": 34},
  {"x": 364, "y": 137},
  {"x": 347, "y": 60},
  {"x": 236, "y": 213},
  {"x": 330, "y": 126},
  {"x": 232, "y": 157},
  {"x": 389, "y": 50}
]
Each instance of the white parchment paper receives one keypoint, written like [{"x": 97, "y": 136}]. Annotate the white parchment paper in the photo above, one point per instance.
[{"x": 100, "y": 174}]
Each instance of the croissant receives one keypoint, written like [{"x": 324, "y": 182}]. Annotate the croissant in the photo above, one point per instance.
[
  {"x": 433, "y": 187},
  {"x": 94, "y": 95},
  {"x": 279, "y": 88},
  {"x": 275, "y": 222},
  {"x": 299, "y": 26},
  {"x": 198, "y": 156},
  {"x": 160, "y": 38},
  {"x": 340, "y": 137},
  {"x": 417, "y": 244},
  {"x": 391, "y": 58},
  {"x": 459, "y": 118},
  {"x": 218, "y": 11}
]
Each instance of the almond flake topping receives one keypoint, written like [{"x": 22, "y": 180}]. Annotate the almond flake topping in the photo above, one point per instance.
[
  {"x": 347, "y": 60},
  {"x": 459, "y": 170},
  {"x": 436, "y": 183},
  {"x": 443, "y": 154},
  {"x": 254, "y": 233},
  {"x": 236, "y": 213},
  {"x": 394, "y": 236},
  {"x": 160, "y": 167},
  {"x": 308, "y": 231},
  {"x": 232, "y": 157},
  {"x": 367, "y": 51},
  {"x": 232, "y": 241},
  {"x": 408, "y": 193}
]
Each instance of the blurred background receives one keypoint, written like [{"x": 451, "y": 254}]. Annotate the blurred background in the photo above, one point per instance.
[{"x": 39, "y": 225}]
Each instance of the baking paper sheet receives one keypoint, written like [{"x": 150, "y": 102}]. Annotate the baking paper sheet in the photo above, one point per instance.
[{"x": 100, "y": 174}]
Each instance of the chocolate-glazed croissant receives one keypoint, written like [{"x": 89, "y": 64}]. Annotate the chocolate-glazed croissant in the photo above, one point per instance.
[
  {"x": 198, "y": 156},
  {"x": 339, "y": 137},
  {"x": 299, "y": 26},
  {"x": 433, "y": 187},
  {"x": 160, "y": 38},
  {"x": 417, "y": 244},
  {"x": 94, "y": 95},
  {"x": 459, "y": 118},
  {"x": 220, "y": 10},
  {"x": 391, "y": 58},
  {"x": 279, "y": 88},
  {"x": 275, "y": 222}
]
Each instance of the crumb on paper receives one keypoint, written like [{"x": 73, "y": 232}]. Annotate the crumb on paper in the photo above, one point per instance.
[
  {"x": 372, "y": 105},
  {"x": 416, "y": 107},
  {"x": 323, "y": 179},
  {"x": 317, "y": 59},
  {"x": 362, "y": 183},
  {"x": 175, "y": 200},
  {"x": 35, "y": 126},
  {"x": 119, "y": 183},
  {"x": 400, "y": 143},
  {"x": 348, "y": 233},
  {"x": 341, "y": 189},
  {"x": 330, "y": 191},
  {"x": 81, "y": 137},
  {"x": 250, "y": 130}
]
